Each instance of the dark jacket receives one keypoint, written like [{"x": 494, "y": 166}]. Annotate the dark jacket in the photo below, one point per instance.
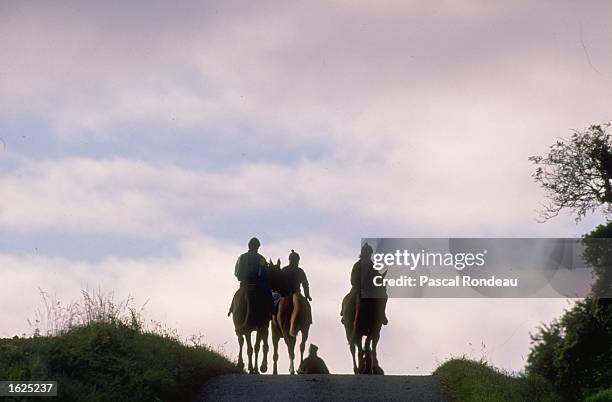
[
  {"x": 251, "y": 268},
  {"x": 362, "y": 279},
  {"x": 294, "y": 277}
]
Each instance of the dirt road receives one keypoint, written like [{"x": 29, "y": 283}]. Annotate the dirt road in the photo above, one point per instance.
[{"x": 309, "y": 388}]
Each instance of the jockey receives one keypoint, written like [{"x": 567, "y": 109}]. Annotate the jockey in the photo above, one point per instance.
[
  {"x": 295, "y": 276},
  {"x": 362, "y": 276},
  {"x": 251, "y": 268}
]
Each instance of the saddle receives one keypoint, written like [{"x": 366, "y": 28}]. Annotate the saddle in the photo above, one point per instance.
[{"x": 250, "y": 290}]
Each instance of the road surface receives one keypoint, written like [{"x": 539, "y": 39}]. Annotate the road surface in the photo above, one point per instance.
[{"x": 309, "y": 388}]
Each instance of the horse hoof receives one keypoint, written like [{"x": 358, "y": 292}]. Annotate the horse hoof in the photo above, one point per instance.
[
  {"x": 263, "y": 368},
  {"x": 240, "y": 366}
]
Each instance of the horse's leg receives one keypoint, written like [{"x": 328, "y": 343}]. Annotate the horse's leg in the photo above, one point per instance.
[
  {"x": 303, "y": 343},
  {"x": 275, "y": 339},
  {"x": 348, "y": 330},
  {"x": 257, "y": 344},
  {"x": 375, "y": 366},
  {"x": 360, "y": 359},
  {"x": 369, "y": 369},
  {"x": 249, "y": 351},
  {"x": 352, "y": 348},
  {"x": 241, "y": 344},
  {"x": 290, "y": 341},
  {"x": 264, "y": 358}
]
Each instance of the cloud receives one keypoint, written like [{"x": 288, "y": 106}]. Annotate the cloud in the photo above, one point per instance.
[
  {"x": 85, "y": 196},
  {"x": 126, "y": 197},
  {"x": 308, "y": 70}
]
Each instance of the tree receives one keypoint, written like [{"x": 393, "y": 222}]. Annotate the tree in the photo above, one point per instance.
[
  {"x": 545, "y": 343},
  {"x": 597, "y": 253},
  {"x": 575, "y": 352},
  {"x": 576, "y": 173}
]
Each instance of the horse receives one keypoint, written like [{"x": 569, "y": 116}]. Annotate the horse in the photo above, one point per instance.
[
  {"x": 363, "y": 317},
  {"x": 250, "y": 312},
  {"x": 293, "y": 315}
]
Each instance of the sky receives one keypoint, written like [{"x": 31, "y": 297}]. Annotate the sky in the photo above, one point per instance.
[{"x": 143, "y": 144}]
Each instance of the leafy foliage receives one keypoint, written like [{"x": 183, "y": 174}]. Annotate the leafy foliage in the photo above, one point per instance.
[
  {"x": 546, "y": 342},
  {"x": 603, "y": 396},
  {"x": 598, "y": 253},
  {"x": 576, "y": 173},
  {"x": 575, "y": 352}
]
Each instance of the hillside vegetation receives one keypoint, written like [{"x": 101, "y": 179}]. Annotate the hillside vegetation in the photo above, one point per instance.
[
  {"x": 106, "y": 355},
  {"x": 472, "y": 381}
]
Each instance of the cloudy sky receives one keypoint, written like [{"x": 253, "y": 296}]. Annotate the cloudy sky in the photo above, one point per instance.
[{"x": 143, "y": 144}]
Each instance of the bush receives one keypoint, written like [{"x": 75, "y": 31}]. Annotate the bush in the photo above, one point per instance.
[
  {"x": 574, "y": 352},
  {"x": 472, "y": 381},
  {"x": 603, "y": 396}
]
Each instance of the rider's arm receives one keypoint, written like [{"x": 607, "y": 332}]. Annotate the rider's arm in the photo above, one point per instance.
[
  {"x": 262, "y": 265},
  {"x": 356, "y": 276},
  {"x": 237, "y": 269},
  {"x": 304, "y": 281}
]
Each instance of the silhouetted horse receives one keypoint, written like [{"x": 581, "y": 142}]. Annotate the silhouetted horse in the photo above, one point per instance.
[
  {"x": 252, "y": 311},
  {"x": 363, "y": 317},
  {"x": 293, "y": 315}
]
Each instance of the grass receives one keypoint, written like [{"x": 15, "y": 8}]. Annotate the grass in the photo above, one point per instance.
[
  {"x": 603, "y": 396},
  {"x": 99, "y": 350},
  {"x": 473, "y": 381}
]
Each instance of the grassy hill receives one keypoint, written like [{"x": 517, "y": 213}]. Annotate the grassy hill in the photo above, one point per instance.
[
  {"x": 112, "y": 362},
  {"x": 101, "y": 350},
  {"x": 472, "y": 381}
]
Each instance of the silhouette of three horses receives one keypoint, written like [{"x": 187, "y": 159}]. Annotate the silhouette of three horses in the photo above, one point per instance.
[{"x": 291, "y": 315}]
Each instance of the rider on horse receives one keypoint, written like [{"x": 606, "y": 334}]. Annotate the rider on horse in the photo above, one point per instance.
[
  {"x": 251, "y": 269},
  {"x": 295, "y": 276},
  {"x": 294, "y": 314},
  {"x": 362, "y": 281}
]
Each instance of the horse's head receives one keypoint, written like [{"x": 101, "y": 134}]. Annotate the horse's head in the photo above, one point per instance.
[{"x": 276, "y": 279}]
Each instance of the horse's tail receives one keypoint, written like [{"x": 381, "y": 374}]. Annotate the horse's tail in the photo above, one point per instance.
[
  {"x": 233, "y": 303},
  {"x": 300, "y": 314},
  {"x": 231, "y": 307},
  {"x": 283, "y": 316},
  {"x": 247, "y": 310},
  {"x": 297, "y": 306},
  {"x": 347, "y": 311}
]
